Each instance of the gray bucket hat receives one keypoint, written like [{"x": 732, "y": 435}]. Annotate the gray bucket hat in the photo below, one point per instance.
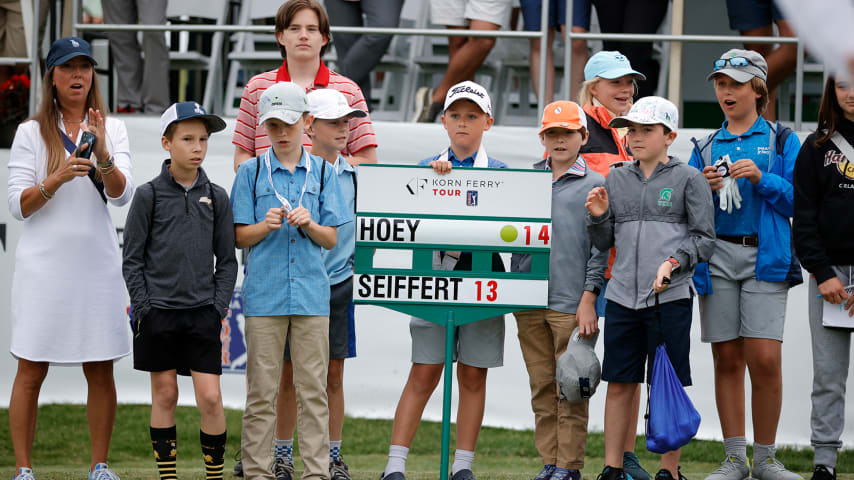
[
  {"x": 741, "y": 65},
  {"x": 578, "y": 368}
]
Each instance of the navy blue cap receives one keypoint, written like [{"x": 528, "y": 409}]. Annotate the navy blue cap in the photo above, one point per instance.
[
  {"x": 186, "y": 110},
  {"x": 67, "y": 48}
]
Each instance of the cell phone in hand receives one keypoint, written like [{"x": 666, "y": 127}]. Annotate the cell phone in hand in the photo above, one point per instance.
[{"x": 86, "y": 138}]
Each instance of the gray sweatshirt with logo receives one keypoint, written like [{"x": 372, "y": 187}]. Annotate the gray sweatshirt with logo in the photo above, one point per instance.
[
  {"x": 669, "y": 214},
  {"x": 575, "y": 265},
  {"x": 179, "y": 245}
]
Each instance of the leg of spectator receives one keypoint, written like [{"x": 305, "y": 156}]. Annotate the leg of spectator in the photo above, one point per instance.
[
  {"x": 766, "y": 50},
  {"x": 611, "y": 14},
  {"x": 423, "y": 379},
  {"x": 24, "y": 407},
  {"x": 580, "y": 54},
  {"x": 764, "y": 361},
  {"x": 335, "y": 393},
  {"x": 100, "y": 407},
  {"x": 368, "y": 50},
  {"x": 344, "y": 13},
  {"x": 155, "y": 76},
  {"x": 534, "y": 65},
  {"x": 729, "y": 365},
  {"x": 472, "y": 385},
  {"x": 643, "y": 16},
  {"x": 466, "y": 60},
  {"x": 125, "y": 51}
]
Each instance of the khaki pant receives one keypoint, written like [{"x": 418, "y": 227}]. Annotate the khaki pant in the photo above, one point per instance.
[
  {"x": 265, "y": 345},
  {"x": 560, "y": 429}
]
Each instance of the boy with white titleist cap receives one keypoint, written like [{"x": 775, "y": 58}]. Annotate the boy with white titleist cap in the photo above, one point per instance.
[
  {"x": 328, "y": 131},
  {"x": 479, "y": 345},
  {"x": 177, "y": 224},
  {"x": 656, "y": 211},
  {"x": 576, "y": 274},
  {"x": 287, "y": 207}
]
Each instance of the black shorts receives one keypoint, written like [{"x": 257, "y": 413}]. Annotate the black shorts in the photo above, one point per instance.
[
  {"x": 181, "y": 339},
  {"x": 342, "y": 325},
  {"x": 631, "y": 337}
]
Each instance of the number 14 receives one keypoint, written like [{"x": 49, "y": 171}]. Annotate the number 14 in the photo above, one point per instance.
[{"x": 544, "y": 234}]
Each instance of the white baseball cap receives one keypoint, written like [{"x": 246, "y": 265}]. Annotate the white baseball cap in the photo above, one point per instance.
[
  {"x": 469, "y": 90},
  {"x": 285, "y": 101},
  {"x": 649, "y": 111},
  {"x": 330, "y": 104}
]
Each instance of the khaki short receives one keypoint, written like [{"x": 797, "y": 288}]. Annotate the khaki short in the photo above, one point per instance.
[
  {"x": 458, "y": 13},
  {"x": 478, "y": 344},
  {"x": 13, "y": 42}
]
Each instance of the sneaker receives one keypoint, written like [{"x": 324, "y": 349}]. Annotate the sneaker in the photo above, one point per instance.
[
  {"x": 546, "y": 472},
  {"x": 464, "y": 474},
  {"x": 393, "y": 476},
  {"x": 611, "y": 473},
  {"x": 772, "y": 469},
  {"x": 238, "y": 469},
  {"x": 423, "y": 99},
  {"x": 27, "y": 474},
  {"x": 564, "y": 474},
  {"x": 283, "y": 469},
  {"x": 733, "y": 468},
  {"x": 822, "y": 472},
  {"x": 665, "y": 475},
  {"x": 633, "y": 468},
  {"x": 338, "y": 470},
  {"x": 102, "y": 472}
]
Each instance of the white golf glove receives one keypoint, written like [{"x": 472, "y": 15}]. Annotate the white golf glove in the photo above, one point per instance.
[{"x": 729, "y": 193}]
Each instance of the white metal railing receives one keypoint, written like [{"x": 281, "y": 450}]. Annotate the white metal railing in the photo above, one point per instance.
[{"x": 542, "y": 35}]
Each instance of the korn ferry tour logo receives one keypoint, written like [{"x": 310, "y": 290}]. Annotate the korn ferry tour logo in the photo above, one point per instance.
[{"x": 451, "y": 187}]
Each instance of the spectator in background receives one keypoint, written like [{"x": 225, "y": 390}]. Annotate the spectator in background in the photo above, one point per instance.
[
  {"x": 634, "y": 16},
  {"x": 12, "y": 38},
  {"x": 756, "y": 18},
  {"x": 143, "y": 82},
  {"x": 532, "y": 13},
  {"x": 359, "y": 54},
  {"x": 465, "y": 54}
]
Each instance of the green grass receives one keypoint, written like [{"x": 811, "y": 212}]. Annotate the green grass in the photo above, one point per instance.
[{"x": 61, "y": 448}]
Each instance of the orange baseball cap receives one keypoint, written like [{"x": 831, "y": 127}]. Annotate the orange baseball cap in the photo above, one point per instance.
[{"x": 563, "y": 114}]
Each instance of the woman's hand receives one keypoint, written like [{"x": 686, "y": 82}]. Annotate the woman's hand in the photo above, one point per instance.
[
  {"x": 72, "y": 167},
  {"x": 97, "y": 128}
]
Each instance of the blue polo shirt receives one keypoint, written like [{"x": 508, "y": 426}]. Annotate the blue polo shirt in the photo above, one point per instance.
[
  {"x": 754, "y": 144},
  {"x": 339, "y": 260},
  {"x": 285, "y": 274},
  {"x": 466, "y": 162}
]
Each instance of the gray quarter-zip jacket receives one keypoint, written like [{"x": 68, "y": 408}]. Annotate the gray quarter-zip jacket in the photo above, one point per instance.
[
  {"x": 575, "y": 265},
  {"x": 669, "y": 214},
  {"x": 179, "y": 252}
]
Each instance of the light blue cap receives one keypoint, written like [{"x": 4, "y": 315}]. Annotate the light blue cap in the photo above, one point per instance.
[{"x": 609, "y": 65}]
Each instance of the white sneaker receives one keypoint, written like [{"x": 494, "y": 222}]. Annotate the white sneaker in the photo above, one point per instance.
[
  {"x": 24, "y": 474},
  {"x": 772, "y": 469},
  {"x": 733, "y": 468},
  {"x": 102, "y": 472}
]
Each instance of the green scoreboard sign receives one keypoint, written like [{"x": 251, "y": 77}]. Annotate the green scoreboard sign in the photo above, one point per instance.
[{"x": 418, "y": 213}]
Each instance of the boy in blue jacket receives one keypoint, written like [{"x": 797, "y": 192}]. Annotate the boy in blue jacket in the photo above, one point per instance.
[{"x": 743, "y": 290}]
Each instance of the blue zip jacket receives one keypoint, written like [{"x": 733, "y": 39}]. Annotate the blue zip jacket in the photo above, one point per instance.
[{"x": 775, "y": 261}]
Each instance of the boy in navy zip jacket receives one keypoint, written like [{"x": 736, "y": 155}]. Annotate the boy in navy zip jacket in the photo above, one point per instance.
[
  {"x": 180, "y": 269},
  {"x": 657, "y": 212},
  {"x": 744, "y": 288}
]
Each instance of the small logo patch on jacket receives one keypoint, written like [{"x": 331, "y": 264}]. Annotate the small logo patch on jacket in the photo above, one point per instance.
[
  {"x": 664, "y": 197},
  {"x": 205, "y": 200}
]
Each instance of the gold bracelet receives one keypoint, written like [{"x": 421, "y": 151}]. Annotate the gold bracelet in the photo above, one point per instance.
[
  {"x": 47, "y": 195},
  {"x": 107, "y": 170}
]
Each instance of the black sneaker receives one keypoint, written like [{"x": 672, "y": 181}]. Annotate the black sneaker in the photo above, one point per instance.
[
  {"x": 822, "y": 472},
  {"x": 283, "y": 469},
  {"x": 665, "y": 474},
  {"x": 238, "y": 467},
  {"x": 464, "y": 474},
  {"x": 338, "y": 470},
  {"x": 393, "y": 476},
  {"x": 611, "y": 473}
]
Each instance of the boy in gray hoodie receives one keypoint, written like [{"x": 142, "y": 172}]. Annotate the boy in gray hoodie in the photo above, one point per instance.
[
  {"x": 180, "y": 268},
  {"x": 656, "y": 212}
]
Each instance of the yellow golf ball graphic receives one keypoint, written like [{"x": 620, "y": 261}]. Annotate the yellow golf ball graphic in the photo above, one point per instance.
[{"x": 509, "y": 233}]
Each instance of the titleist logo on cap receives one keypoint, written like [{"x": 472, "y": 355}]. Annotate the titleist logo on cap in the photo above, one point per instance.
[{"x": 466, "y": 89}]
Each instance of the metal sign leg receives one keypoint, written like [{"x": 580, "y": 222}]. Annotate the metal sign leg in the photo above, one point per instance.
[{"x": 450, "y": 330}]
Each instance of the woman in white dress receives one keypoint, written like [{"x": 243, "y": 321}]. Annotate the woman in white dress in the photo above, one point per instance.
[{"x": 68, "y": 295}]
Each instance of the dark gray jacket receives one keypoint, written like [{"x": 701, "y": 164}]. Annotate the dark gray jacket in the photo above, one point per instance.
[
  {"x": 574, "y": 264},
  {"x": 669, "y": 214},
  {"x": 170, "y": 246}
]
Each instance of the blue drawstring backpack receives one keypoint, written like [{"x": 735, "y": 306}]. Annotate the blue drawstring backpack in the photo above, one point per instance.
[{"x": 671, "y": 419}]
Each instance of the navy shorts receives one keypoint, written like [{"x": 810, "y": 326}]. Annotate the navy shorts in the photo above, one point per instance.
[
  {"x": 342, "y": 324},
  {"x": 750, "y": 14},
  {"x": 181, "y": 339},
  {"x": 631, "y": 337},
  {"x": 532, "y": 13}
]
